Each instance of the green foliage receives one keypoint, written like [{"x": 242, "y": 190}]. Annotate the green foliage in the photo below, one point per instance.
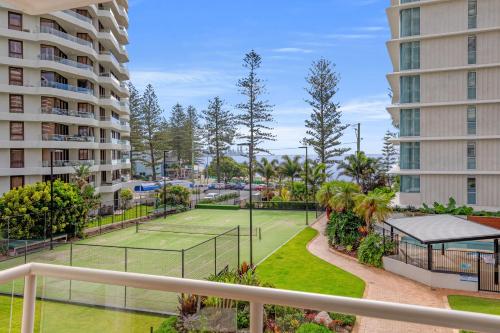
[
  {"x": 371, "y": 250},
  {"x": 313, "y": 328},
  {"x": 450, "y": 208},
  {"x": 343, "y": 319},
  {"x": 364, "y": 171},
  {"x": 168, "y": 326},
  {"x": 343, "y": 229},
  {"x": 27, "y": 209},
  {"x": 229, "y": 169},
  {"x": 298, "y": 191},
  {"x": 126, "y": 196},
  {"x": 215, "y": 206},
  {"x": 175, "y": 195}
]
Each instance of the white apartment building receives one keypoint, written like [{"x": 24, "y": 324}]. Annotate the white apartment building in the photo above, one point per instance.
[
  {"x": 63, "y": 92},
  {"x": 446, "y": 100}
]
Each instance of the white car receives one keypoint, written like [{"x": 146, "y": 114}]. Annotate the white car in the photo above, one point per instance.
[{"x": 211, "y": 195}]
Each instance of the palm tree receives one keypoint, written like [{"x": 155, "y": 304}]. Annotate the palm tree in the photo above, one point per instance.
[
  {"x": 291, "y": 167},
  {"x": 324, "y": 195},
  {"x": 360, "y": 168},
  {"x": 316, "y": 176},
  {"x": 81, "y": 176},
  {"x": 344, "y": 196},
  {"x": 373, "y": 206},
  {"x": 267, "y": 169}
]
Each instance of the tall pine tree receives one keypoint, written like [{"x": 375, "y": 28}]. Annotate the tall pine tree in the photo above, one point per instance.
[
  {"x": 389, "y": 152},
  {"x": 324, "y": 128},
  {"x": 177, "y": 127},
  {"x": 136, "y": 126},
  {"x": 220, "y": 131},
  {"x": 193, "y": 134},
  {"x": 151, "y": 127},
  {"x": 256, "y": 113}
]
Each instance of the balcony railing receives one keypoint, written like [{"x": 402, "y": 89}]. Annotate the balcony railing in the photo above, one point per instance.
[
  {"x": 256, "y": 296},
  {"x": 125, "y": 123},
  {"x": 78, "y": 16},
  {"x": 55, "y": 32},
  {"x": 111, "y": 183},
  {"x": 64, "y": 61},
  {"x": 70, "y": 113},
  {"x": 68, "y": 138},
  {"x": 67, "y": 163},
  {"x": 68, "y": 87}
]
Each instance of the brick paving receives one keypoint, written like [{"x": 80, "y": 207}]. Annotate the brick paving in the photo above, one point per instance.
[{"x": 382, "y": 286}]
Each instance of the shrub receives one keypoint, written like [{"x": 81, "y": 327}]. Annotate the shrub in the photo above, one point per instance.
[
  {"x": 126, "y": 195},
  {"x": 343, "y": 229},
  {"x": 222, "y": 207},
  {"x": 343, "y": 319},
  {"x": 175, "y": 195},
  {"x": 313, "y": 328},
  {"x": 371, "y": 250},
  {"x": 168, "y": 326},
  {"x": 220, "y": 198}
]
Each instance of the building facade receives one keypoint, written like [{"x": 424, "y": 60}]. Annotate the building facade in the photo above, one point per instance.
[
  {"x": 63, "y": 94},
  {"x": 446, "y": 100}
]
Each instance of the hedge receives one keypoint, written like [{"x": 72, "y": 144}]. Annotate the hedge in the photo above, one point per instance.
[{"x": 222, "y": 207}]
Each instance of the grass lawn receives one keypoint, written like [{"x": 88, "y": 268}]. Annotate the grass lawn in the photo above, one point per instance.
[
  {"x": 59, "y": 317},
  {"x": 293, "y": 267},
  {"x": 474, "y": 304}
]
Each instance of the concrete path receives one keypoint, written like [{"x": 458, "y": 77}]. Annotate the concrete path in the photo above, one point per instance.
[{"x": 381, "y": 286}]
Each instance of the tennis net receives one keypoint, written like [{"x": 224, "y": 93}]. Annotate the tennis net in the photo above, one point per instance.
[{"x": 194, "y": 229}]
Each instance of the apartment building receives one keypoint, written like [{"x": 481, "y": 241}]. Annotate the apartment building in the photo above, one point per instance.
[
  {"x": 63, "y": 93},
  {"x": 446, "y": 100}
]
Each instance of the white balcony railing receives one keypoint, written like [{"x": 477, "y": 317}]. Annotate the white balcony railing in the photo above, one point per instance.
[
  {"x": 65, "y": 86},
  {"x": 67, "y": 163},
  {"x": 68, "y": 138},
  {"x": 70, "y": 113},
  {"x": 64, "y": 61},
  {"x": 78, "y": 16},
  {"x": 256, "y": 296},
  {"x": 64, "y": 35}
]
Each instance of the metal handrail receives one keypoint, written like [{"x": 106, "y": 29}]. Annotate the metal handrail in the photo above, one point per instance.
[
  {"x": 66, "y": 36},
  {"x": 78, "y": 16},
  {"x": 257, "y": 296},
  {"x": 64, "y": 61}
]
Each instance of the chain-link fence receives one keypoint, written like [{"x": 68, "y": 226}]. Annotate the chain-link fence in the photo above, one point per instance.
[{"x": 210, "y": 257}]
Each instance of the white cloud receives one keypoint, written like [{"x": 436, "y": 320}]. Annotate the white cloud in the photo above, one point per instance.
[
  {"x": 292, "y": 50},
  {"x": 342, "y": 36},
  {"x": 370, "y": 108}
]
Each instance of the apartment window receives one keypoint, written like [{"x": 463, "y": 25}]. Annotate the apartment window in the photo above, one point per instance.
[
  {"x": 85, "y": 61},
  {"x": 471, "y": 120},
  {"x": 16, "y": 131},
  {"x": 83, "y": 154},
  {"x": 50, "y": 24},
  {"x": 410, "y": 55},
  {"x": 85, "y": 36},
  {"x": 16, "y": 181},
  {"x": 49, "y": 52},
  {"x": 471, "y": 155},
  {"x": 17, "y": 158},
  {"x": 15, "y": 48},
  {"x": 471, "y": 191},
  {"x": 16, "y": 103},
  {"x": 471, "y": 46},
  {"x": 472, "y": 14},
  {"x": 410, "y": 89},
  {"x": 410, "y": 22},
  {"x": 471, "y": 85},
  {"x": 410, "y": 155},
  {"x": 15, "y": 21},
  {"x": 410, "y": 184},
  {"x": 409, "y": 122},
  {"x": 16, "y": 76}
]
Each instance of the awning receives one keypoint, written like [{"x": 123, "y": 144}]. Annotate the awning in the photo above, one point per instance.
[{"x": 431, "y": 229}]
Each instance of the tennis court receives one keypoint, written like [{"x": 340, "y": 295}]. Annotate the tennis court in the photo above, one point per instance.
[{"x": 182, "y": 245}]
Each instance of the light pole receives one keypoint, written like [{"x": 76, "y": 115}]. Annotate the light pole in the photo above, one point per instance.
[
  {"x": 164, "y": 183},
  {"x": 250, "y": 179},
  {"x": 52, "y": 213},
  {"x": 307, "y": 189}
]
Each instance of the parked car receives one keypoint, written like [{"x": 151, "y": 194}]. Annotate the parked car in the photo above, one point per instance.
[
  {"x": 255, "y": 187},
  {"x": 211, "y": 195}
]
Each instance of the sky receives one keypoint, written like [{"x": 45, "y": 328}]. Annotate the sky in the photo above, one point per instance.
[{"x": 192, "y": 51}]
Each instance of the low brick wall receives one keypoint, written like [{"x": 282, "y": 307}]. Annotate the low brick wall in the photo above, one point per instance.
[{"x": 489, "y": 221}]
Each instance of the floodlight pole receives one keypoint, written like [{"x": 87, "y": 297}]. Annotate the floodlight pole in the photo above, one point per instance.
[
  {"x": 250, "y": 178},
  {"x": 307, "y": 189},
  {"x": 51, "y": 198},
  {"x": 164, "y": 183}
]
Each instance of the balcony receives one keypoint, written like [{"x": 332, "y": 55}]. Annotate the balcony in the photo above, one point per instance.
[
  {"x": 78, "y": 16},
  {"x": 147, "y": 286},
  {"x": 64, "y": 61},
  {"x": 67, "y": 138},
  {"x": 67, "y": 87},
  {"x": 66, "y": 36},
  {"x": 111, "y": 183},
  {"x": 69, "y": 113},
  {"x": 67, "y": 163}
]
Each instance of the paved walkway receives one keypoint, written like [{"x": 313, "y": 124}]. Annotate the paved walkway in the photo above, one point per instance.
[{"x": 381, "y": 286}]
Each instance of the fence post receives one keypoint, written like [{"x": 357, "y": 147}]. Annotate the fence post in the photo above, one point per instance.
[
  {"x": 182, "y": 263},
  {"x": 126, "y": 268},
  {"x": 442, "y": 249},
  {"x": 429, "y": 257},
  {"x": 28, "y": 322},
  {"x": 136, "y": 214},
  {"x": 71, "y": 264},
  {"x": 478, "y": 271},
  {"x": 238, "y": 247},
  {"x": 136, "y": 226},
  {"x": 25, "y": 251},
  {"x": 496, "y": 253},
  {"x": 260, "y": 233},
  {"x": 113, "y": 213},
  {"x": 256, "y": 317},
  {"x": 383, "y": 240},
  {"x": 406, "y": 252},
  {"x": 215, "y": 255}
]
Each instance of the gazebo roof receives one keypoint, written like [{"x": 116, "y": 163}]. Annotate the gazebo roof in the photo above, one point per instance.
[{"x": 431, "y": 229}]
